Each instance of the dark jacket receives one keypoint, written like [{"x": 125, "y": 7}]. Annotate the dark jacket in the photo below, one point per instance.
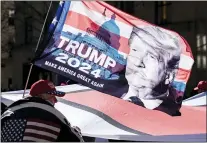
[
  {"x": 34, "y": 119},
  {"x": 3, "y": 107}
]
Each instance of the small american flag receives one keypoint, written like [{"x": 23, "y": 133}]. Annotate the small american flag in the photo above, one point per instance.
[{"x": 29, "y": 130}]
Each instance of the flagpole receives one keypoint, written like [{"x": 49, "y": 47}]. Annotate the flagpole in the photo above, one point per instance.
[{"x": 30, "y": 70}]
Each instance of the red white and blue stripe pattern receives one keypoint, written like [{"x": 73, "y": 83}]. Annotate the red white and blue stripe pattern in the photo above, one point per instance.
[{"x": 30, "y": 130}]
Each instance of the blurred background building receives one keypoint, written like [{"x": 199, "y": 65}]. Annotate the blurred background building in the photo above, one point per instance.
[{"x": 22, "y": 23}]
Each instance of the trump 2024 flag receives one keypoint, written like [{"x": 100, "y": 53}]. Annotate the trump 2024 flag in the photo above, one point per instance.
[{"x": 115, "y": 53}]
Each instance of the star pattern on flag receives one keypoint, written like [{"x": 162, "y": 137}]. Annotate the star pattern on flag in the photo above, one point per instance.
[
  {"x": 18, "y": 130},
  {"x": 61, "y": 3},
  {"x": 13, "y": 130},
  {"x": 54, "y": 21},
  {"x": 57, "y": 16}
]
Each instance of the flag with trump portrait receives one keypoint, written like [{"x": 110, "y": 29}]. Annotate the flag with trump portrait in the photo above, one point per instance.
[{"x": 110, "y": 51}]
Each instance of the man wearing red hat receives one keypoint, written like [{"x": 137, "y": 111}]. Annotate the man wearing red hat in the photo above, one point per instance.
[
  {"x": 34, "y": 118},
  {"x": 201, "y": 87},
  {"x": 46, "y": 90}
]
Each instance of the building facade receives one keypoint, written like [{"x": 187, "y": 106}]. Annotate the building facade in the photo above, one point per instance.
[
  {"x": 27, "y": 24},
  {"x": 189, "y": 19}
]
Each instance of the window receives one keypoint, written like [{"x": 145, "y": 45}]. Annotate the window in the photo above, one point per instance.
[
  {"x": 28, "y": 30},
  {"x": 163, "y": 9},
  {"x": 164, "y": 12},
  {"x": 201, "y": 59},
  {"x": 127, "y": 6},
  {"x": 11, "y": 17}
]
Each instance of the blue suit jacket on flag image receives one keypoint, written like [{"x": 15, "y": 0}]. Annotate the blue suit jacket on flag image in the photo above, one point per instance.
[{"x": 108, "y": 50}]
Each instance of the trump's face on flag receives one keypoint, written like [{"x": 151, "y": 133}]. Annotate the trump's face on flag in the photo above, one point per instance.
[{"x": 151, "y": 50}]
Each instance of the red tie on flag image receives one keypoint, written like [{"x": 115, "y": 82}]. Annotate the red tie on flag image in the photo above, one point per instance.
[
  {"x": 29, "y": 131},
  {"x": 105, "y": 49}
]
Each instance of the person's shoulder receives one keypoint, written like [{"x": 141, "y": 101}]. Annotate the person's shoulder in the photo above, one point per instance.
[
  {"x": 38, "y": 100},
  {"x": 28, "y": 100},
  {"x": 35, "y": 107}
]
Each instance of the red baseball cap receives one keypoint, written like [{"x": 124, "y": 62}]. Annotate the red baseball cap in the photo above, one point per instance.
[
  {"x": 45, "y": 86},
  {"x": 202, "y": 85}
]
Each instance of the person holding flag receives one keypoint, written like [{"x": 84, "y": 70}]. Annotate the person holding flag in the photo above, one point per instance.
[{"x": 34, "y": 118}]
